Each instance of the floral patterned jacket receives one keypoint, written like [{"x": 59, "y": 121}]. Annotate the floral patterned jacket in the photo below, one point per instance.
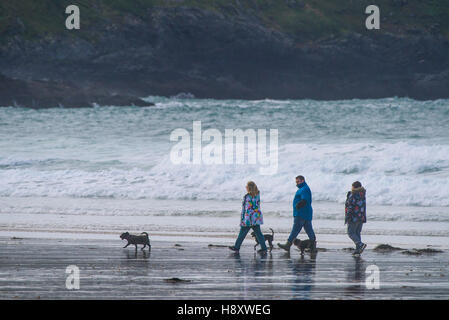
[
  {"x": 251, "y": 214},
  {"x": 355, "y": 206}
]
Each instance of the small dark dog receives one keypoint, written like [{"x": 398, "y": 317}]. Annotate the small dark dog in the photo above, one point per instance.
[
  {"x": 136, "y": 239},
  {"x": 267, "y": 237},
  {"x": 303, "y": 245}
]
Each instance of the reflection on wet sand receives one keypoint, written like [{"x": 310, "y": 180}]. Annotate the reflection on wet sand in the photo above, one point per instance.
[
  {"x": 247, "y": 273},
  {"x": 303, "y": 270},
  {"x": 355, "y": 276},
  {"x": 135, "y": 255},
  {"x": 257, "y": 276},
  {"x": 35, "y": 267}
]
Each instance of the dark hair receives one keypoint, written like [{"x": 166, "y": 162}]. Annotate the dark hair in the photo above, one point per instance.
[
  {"x": 301, "y": 178},
  {"x": 357, "y": 184}
]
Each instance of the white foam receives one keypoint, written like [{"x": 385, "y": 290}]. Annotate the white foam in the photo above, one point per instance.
[{"x": 419, "y": 178}]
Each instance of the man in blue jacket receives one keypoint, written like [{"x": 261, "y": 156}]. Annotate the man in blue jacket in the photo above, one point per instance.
[{"x": 302, "y": 215}]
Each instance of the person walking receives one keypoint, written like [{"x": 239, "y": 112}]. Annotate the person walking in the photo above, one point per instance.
[
  {"x": 355, "y": 215},
  {"x": 302, "y": 215},
  {"x": 251, "y": 218}
]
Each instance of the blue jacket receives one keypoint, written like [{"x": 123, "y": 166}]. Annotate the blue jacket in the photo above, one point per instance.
[{"x": 303, "y": 193}]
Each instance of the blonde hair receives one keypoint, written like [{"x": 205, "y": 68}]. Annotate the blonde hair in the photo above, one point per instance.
[{"x": 252, "y": 189}]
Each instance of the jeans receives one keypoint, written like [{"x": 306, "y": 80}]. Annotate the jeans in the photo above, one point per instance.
[
  {"x": 244, "y": 232},
  {"x": 298, "y": 223},
  {"x": 354, "y": 230}
]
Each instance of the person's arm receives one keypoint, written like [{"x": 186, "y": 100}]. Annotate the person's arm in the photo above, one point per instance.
[
  {"x": 301, "y": 204},
  {"x": 248, "y": 206},
  {"x": 258, "y": 202},
  {"x": 242, "y": 215},
  {"x": 304, "y": 198},
  {"x": 349, "y": 204},
  {"x": 296, "y": 200},
  {"x": 348, "y": 208},
  {"x": 364, "y": 209}
]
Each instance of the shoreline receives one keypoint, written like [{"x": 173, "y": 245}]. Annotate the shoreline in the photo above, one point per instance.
[
  {"x": 35, "y": 269},
  {"x": 210, "y": 221},
  {"x": 331, "y": 241}
]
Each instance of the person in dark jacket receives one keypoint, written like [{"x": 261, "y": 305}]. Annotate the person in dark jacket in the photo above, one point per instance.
[
  {"x": 302, "y": 215},
  {"x": 355, "y": 215}
]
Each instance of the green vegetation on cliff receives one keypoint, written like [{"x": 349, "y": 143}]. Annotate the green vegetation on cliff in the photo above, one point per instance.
[{"x": 302, "y": 19}]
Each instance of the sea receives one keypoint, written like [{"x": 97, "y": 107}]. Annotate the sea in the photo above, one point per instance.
[{"x": 97, "y": 172}]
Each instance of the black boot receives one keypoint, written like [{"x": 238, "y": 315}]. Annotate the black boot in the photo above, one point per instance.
[
  {"x": 234, "y": 249},
  {"x": 285, "y": 246},
  {"x": 313, "y": 247}
]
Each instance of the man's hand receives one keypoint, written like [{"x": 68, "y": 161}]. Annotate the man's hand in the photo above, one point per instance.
[{"x": 301, "y": 204}]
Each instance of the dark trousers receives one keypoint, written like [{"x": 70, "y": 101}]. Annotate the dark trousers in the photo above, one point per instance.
[
  {"x": 298, "y": 223},
  {"x": 354, "y": 231},
  {"x": 244, "y": 232}
]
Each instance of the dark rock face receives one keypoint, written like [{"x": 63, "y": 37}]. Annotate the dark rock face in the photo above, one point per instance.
[
  {"x": 48, "y": 94},
  {"x": 171, "y": 50}
]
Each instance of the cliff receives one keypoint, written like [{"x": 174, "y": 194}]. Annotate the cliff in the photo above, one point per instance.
[{"x": 230, "y": 49}]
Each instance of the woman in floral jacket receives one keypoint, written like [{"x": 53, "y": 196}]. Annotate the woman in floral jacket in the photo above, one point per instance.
[
  {"x": 355, "y": 215},
  {"x": 251, "y": 217}
]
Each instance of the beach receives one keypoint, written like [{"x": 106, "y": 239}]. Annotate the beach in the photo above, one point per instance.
[
  {"x": 72, "y": 180},
  {"x": 35, "y": 268},
  {"x": 213, "y": 221},
  {"x": 45, "y": 236}
]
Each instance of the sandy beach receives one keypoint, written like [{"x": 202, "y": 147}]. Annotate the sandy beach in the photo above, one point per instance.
[{"x": 32, "y": 268}]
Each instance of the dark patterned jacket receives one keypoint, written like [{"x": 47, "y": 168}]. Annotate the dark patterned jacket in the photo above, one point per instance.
[{"x": 355, "y": 206}]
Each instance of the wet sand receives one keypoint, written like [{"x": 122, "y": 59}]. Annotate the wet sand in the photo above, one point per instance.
[{"x": 35, "y": 269}]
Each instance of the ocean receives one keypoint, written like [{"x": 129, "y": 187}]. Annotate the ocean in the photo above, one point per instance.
[{"x": 99, "y": 171}]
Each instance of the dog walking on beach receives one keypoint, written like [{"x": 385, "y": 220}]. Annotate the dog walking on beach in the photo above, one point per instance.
[
  {"x": 355, "y": 215},
  {"x": 302, "y": 215},
  {"x": 266, "y": 237},
  {"x": 251, "y": 218},
  {"x": 303, "y": 245},
  {"x": 136, "y": 239}
]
